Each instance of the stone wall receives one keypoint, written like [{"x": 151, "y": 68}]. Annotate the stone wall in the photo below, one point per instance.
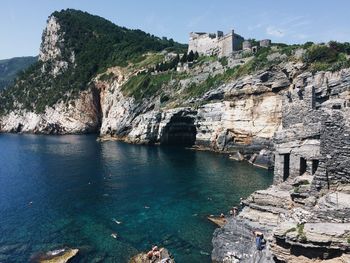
[
  {"x": 335, "y": 148},
  {"x": 314, "y": 138},
  {"x": 218, "y": 44}
]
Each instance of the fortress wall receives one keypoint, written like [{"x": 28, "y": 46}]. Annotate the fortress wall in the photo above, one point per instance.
[
  {"x": 226, "y": 45},
  {"x": 203, "y": 44}
]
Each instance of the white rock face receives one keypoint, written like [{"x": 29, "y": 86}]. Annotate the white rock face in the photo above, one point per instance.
[
  {"x": 242, "y": 120},
  {"x": 51, "y": 39},
  {"x": 117, "y": 110},
  {"x": 80, "y": 116},
  {"x": 51, "y": 48}
]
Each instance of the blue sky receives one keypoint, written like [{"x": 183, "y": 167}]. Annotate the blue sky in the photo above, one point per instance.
[{"x": 294, "y": 21}]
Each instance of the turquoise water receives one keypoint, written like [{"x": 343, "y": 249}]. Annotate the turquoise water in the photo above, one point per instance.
[{"x": 65, "y": 191}]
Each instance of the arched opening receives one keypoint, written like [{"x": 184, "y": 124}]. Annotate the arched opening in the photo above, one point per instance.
[{"x": 180, "y": 130}]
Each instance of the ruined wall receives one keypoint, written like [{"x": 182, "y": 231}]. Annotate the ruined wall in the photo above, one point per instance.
[
  {"x": 335, "y": 148},
  {"x": 315, "y": 132},
  {"x": 226, "y": 45}
]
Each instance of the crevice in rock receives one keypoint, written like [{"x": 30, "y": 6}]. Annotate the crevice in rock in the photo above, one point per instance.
[{"x": 96, "y": 95}]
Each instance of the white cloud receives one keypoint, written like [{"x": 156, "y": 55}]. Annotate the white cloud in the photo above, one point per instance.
[{"x": 275, "y": 32}]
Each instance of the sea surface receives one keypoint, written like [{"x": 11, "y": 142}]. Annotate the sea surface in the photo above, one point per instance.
[{"x": 69, "y": 191}]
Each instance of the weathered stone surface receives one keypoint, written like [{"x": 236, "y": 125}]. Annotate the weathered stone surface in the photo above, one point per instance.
[
  {"x": 59, "y": 256},
  {"x": 165, "y": 257},
  {"x": 80, "y": 116},
  {"x": 305, "y": 215}
]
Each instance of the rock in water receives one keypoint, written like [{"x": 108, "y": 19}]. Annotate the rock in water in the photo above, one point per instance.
[
  {"x": 59, "y": 256},
  {"x": 219, "y": 221},
  {"x": 165, "y": 257}
]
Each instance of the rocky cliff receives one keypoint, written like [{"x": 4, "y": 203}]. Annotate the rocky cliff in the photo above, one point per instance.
[
  {"x": 238, "y": 116},
  {"x": 283, "y": 107},
  {"x": 305, "y": 214}
]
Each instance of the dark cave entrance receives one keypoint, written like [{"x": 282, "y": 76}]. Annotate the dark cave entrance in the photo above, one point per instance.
[
  {"x": 314, "y": 166},
  {"x": 180, "y": 131},
  {"x": 286, "y": 164},
  {"x": 303, "y": 166}
]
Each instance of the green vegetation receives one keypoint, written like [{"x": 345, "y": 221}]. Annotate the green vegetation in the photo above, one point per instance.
[
  {"x": 9, "y": 68},
  {"x": 145, "y": 85},
  {"x": 97, "y": 44},
  {"x": 301, "y": 234},
  {"x": 106, "y": 76},
  {"x": 212, "y": 82},
  {"x": 304, "y": 182},
  {"x": 223, "y": 61},
  {"x": 293, "y": 229},
  {"x": 332, "y": 57}
]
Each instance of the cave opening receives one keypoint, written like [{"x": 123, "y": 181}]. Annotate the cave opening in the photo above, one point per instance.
[
  {"x": 180, "y": 131},
  {"x": 286, "y": 164}
]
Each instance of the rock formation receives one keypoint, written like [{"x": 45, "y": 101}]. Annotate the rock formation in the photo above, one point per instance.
[
  {"x": 284, "y": 115},
  {"x": 306, "y": 212}
]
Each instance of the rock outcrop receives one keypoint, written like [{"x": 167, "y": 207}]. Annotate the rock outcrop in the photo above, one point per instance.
[
  {"x": 305, "y": 214},
  {"x": 81, "y": 115},
  {"x": 57, "y": 256},
  {"x": 164, "y": 257}
]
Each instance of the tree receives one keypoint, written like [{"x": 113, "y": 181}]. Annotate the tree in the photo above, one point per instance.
[
  {"x": 184, "y": 58},
  {"x": 196, "y": 55},
  {"x": 190, "y": 56}
]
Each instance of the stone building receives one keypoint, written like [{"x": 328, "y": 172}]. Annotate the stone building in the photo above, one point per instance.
[
  {"x": 247, "y": 45},
  {"x": 215, "y": 44},
  {"x": 315, "y": 135},
  {"x": 265, "y": 43}
]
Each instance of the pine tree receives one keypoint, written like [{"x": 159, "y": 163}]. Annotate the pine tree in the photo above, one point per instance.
[
  {"x": 196, "y": 55},
  {"x": 184, "y": 58},
  {"x": 190, "y": 56}
]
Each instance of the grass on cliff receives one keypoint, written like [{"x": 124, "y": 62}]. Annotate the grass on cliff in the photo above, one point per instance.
[
  {"x": 301, "y": 234},
  {"x": 331, "y": 57},
  {"x": 145, "y": 85}
]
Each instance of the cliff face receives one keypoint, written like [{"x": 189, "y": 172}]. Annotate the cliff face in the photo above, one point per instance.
[
  {"x": 305, "y": 215},
  {"x": 244, "y": 119},
  {"x": 79, "y": 116},
  {"x": 283, "y": 116}
]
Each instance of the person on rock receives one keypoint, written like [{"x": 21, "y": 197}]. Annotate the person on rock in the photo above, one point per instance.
[{"x": 260, "y": 241}]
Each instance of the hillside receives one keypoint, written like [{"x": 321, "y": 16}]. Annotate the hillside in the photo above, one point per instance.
[
  {"x": 9, "y": 68},
  {"x": 75, "y": 47},
  {"x": 285, "y": 107}
]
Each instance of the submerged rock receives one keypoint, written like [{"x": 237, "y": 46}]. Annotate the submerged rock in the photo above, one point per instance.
[{"x": 57, "y": 256}]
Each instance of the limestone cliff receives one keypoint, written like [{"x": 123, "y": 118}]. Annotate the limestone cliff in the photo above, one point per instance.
[
  {"x": 273, "y": 108},
  {"x": 78, "y": 116},
  {"x": 305, "y": 214}
]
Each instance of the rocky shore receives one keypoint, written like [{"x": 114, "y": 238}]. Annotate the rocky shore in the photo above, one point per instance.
[
  {"x": 285, "y": 117},
  {"x": 305, "y": 214}
]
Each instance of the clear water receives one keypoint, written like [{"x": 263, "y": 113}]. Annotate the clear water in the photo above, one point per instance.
[{"x": 64, "y": 191}]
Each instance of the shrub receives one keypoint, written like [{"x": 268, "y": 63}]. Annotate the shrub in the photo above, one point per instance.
[
  {"x": 320, "y": 53},
  {"x": 223, "y": 61}
]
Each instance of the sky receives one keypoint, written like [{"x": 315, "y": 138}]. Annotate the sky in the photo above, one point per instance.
[{"x": 287, "y": 21}]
